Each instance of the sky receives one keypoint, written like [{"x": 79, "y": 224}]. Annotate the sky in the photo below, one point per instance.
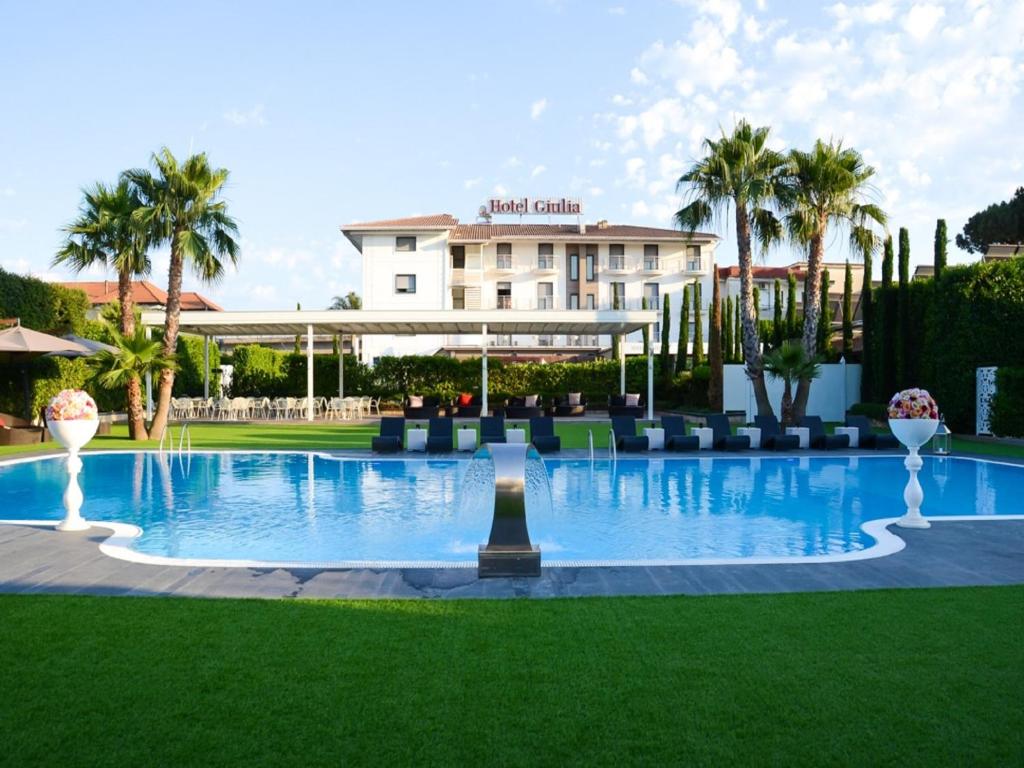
[{"x": 328, "y": 113}]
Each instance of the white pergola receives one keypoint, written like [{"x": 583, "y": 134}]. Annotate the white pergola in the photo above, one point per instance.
[{"x": 364, "y": 322}]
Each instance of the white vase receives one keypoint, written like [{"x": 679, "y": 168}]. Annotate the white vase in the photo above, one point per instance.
[
  {"x": 73, "y": 435},
  {"x": 913, "y": 433}
]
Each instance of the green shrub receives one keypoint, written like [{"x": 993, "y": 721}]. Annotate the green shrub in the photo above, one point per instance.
[
  {"x": 258, "y": 371},
  {"x": 875, "y": 411},
  {"x": 188, "y": 380},
  {"x": 42, "y": 306},
  {"x": 1007, "y": 418}
]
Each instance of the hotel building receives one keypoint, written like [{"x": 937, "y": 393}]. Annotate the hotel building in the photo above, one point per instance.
[{"x": 438, "y": 263}]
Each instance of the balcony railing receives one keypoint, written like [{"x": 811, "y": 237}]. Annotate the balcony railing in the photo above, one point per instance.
[
  {"x": 652, "y": 264},
  {"x": 545, "y": 302},
  {"x": 504, "y": 302},
  {"x": 617, "y": 263},
  {"x": 546, "y": 263},
  {"x": 503, "y": 263}
]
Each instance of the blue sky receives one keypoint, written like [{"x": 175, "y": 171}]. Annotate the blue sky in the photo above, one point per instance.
[{"x": 327, "y": 113}]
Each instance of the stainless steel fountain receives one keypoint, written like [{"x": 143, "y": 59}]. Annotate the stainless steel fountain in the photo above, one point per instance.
[{"x": 508, "y": 551}]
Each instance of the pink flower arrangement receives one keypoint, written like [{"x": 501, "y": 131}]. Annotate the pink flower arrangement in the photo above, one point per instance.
[
  {"x": 913, "y": 404},
  {"x": 72, "y": 405}
]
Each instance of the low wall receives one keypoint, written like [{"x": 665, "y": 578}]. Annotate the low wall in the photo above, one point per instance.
[{"x": 832, "y": 393}]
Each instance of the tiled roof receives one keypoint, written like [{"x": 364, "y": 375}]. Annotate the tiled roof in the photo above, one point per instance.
[
  {"x": 761, "y": 273},
  {"x": 476, "y": 233},
  {"x": 433, "y": 221},
  {"x": 191, "y": 300},
  {"x": 144, "y": 293}
]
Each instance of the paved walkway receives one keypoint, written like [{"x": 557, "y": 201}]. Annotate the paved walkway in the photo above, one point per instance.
[{"x": 42, "y": 560}]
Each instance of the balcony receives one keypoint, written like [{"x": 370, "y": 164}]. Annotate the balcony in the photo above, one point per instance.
[
  {"x": 545, "y": 265},
  {"x": 617, "y": 265},
  {"x": 502, "y": 266},
  {"x": 652, "y": 266},
  {"x": 694, "y": 265}
]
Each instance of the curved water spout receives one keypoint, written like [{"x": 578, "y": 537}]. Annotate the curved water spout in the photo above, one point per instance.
[{"x": 508, "y": 551}]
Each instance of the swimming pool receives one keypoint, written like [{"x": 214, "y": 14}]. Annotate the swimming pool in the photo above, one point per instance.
[{"x": 286, "y": 507}]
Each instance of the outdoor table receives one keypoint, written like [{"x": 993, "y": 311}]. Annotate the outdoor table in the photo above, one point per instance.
[
  {"x": 801, "y": 432},
  {"x": 655, "y": 438},
  {"x": 706, "y": 436},
  {"x": 515, "y": 435},
  {"x": 852, "y": 432},
  {"x": 466, "y": 439},
  {"x": 416, "y": 440},
  {"x": 754, "y": 433}
]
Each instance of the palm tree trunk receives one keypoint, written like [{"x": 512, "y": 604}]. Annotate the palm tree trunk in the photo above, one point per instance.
[
  {"x": 748, "y": 314},
  {"x": 171, "y": 323},
  {"x": 787, "y": 404},
  {"x": 812, "y": 313},
  {"x": 136, "y": 416}
]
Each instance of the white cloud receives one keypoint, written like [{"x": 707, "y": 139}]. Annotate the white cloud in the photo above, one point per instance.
[
  {"x": 725, "y": 12},
  {"x": 12, "y": 225},
  {"x": 513, "y": 162},
  {"x": 849, "y": 15},
  {"x": 640, "y": 209},
  {"x": 537, "y": 171},
  {"x": 638, "y": 76},
  {"x": 537, "y": 108},
  {"x": 921, "y": 20},
  {"x": 6, "y": 191},
  {"x": 621, "y": 101},
  {"x": 636, "y": 173},
  {"x": 470, "y": 183},
  {"x": 252, "y": 116},
  {"x": 500, "y": 189},
  {"x": 910, "y": 173},
  {"x": 617, "y": 10},
  {"x": 704, "y": 59},
  {"x": 595, "y": 191}
]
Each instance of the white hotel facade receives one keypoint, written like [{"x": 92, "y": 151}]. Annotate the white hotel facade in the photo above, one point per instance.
[{"x": 437, "y": 263}]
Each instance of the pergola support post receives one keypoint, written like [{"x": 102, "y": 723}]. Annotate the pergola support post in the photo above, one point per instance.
[
  {"x": 622, "y": 366},
  {"x": 206, "y": 367},
  {"x": 341, "y": 367},
  {"x": 650, "y": 374},
  {"x": 309, "y": 372},
  {"x": 483, "y": 368}
]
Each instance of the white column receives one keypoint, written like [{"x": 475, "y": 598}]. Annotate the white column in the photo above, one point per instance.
[
  {"x": 483, "y": 368},
  {"x": 206, "y": 366},
  {"x": 309, "y": 372},
  {"x": 149, "y": 384},
  {"x": 650, "y": 374},
  {"x": 341, "y": 365},
  {"x": 622, "y": 365}
]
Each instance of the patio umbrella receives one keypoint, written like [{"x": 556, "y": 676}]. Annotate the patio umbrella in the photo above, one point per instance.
[
  {"x": 19, "y": 344},
  {"x": 90, "y": 344}
]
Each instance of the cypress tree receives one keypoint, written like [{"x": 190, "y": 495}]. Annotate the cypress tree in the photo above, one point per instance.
[
  {"x": 941, "y": 241},
  {"x": 684, "y": 332},
  {"x": 666, "y": 326},
  {"x": 848, "y": 312},
  {"x": 757, "y": 314},
  {"x": 727, "y": 330},
  {"x": 698, "y": 330},
  {"x": 616, "y": 340},
  {"x": 737, "y": 333},
  {"x": 867, "y": 329},
  {"x": 715, "y": 349},
  {"x": 336, "y": 344},
  {"x": 778, "y": 329},
  {"x": 298, "y": 336},
  {"x": 825, "y": 322},
  {"x": 903, "y": 310},
  {"x": 646, "y": 331},
  {"x": 792, "y": 331},
  {"x": 884, "y": 340}
]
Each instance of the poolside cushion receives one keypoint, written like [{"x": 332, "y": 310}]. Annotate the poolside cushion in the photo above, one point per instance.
[
  {"x": 415, "y": 401},
  {"x": 530, "y": 401},
  {"x": 574, "y": 398},
  {"x": 632, "y": 400},
  {"x": 465, "y": 399}
]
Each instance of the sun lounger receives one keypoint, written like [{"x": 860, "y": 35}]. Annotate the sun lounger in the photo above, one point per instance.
[
  {"x": 392, "y": 435},
  {"x": 439, "y": 435},
  {"x": 816, "y": 431},
  {"x": 772, "y": 437},
  {"x": 492, "y": 430},
  {"x": 868, "y": 438},
  {"x": 542, "y": 434},
  {"x": 626, "y": 438},
  {"x": 676, "y": 438},
  {"x": 722, "y": 437}
]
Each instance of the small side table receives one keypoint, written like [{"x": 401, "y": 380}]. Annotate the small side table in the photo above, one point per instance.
[
  {"x": 655, "y": 438},
  {"x": 801, "y": 432},
  {"x": 852, "y": 432},
  {"x": 466, "y": 439},
  {"x": 515, "y": 435},
  {"x": 754, "y": 433},
  {"x": 706, "y": 436},
  {"x": 416, "y": 440}
]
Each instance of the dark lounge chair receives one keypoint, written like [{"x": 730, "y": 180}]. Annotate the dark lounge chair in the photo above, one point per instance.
[
  {"x": 722, "y": 437},
  {"x": 542, "y": 435},
  {"x": 626, "y": 438},
  {"x": 819, "y": 439},
  {"x": 868, "y": 438},
  {"x": 676, "y": 438},
  {"x": 392, "y": 435},
  {"x": 430, "y": 408},
  {"x": 772, "y": 436},
  {"x": 492, "y": 429},
  {"x": 439, "y": 435},
  {"x": 519, "y": 407},
  {"x": 617, "y": 406},
  {"x": 467, "y": 410},
  {"x": 562, "y": 406}
]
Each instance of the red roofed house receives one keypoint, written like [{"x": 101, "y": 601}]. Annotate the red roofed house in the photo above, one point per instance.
[{"x": 146, "y": 296}]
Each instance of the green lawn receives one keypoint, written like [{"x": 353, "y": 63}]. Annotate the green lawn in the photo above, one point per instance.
[
  {"x": 908, "y": 678},
  {"x": 338, "y": 436}
]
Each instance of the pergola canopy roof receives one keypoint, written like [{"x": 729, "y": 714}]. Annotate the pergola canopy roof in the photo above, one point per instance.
[{"x": 367, "y": 322}]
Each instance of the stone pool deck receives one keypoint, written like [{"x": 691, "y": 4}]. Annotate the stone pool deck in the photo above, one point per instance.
[{"x": 35, "y": 560}]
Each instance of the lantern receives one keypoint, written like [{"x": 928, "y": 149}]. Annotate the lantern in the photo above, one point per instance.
[{"x": 942, "y": 439}]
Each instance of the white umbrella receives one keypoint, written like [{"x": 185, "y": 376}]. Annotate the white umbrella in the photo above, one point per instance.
[
  {"x": 22, "y": 344},
  {"x": 90, "y": 344}
]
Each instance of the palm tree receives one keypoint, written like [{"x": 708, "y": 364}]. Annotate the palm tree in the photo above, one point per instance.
[
  {"x": 104, "y": 233},
  {"x": 136, "y": 356},
  {"x": 181, "y": 205},
  {"x": 829, "y": 187},
  {"x": 790, "y": 362},
  {"x": 350, "y": 300},
  {"x": 742, "y": 171}
]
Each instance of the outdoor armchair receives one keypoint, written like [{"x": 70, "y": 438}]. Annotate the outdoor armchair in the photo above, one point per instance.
[
  {"x": 772, "y": 436},
  {"x": 439, "y": 435},
  {"x": 467, "y": 407},
  {"x": 676, "y": 438},
  {"x": 626, "y": 438},
  {"x": 868, "y": 438},
  {"x": 392, "y": 435},
  {"x": 722, "y": 437},
  {"x": 492, "y": 429},
  {"x": 627, "y": 405},
  {"x": 542, "y": 434},
  {"x": 571, "y": 404},
  {"x": 523, "y": 407},
  {"x": 816, "y": 432},
  {"x": 421, "y": 407}
]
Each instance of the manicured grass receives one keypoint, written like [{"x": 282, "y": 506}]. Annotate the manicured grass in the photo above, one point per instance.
[
  {"x": 909, "y": 678},
  {"x": 325, "y": 435}
]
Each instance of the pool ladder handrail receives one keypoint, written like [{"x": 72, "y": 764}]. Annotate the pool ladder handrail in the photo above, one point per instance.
[
  {"x": 590, "y": 443},
  {"x": 183, "y": 435},
  {"x": 613, "y": 452}
]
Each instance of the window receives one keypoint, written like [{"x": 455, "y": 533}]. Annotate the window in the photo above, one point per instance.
[
  {"x": 545, "y": 295},
  {"x": 618, "y": 295},
  {"x": 651, "y": 294},
  {"x": 591, "y": 301},
  {"x": 650, "y": 257},
  {"x": 504, "y": 255},
  {"x": 574, "y": 301},
  {"x": 574, "y": 266},
  {"x": 504, "y": 295},
  {"x": 693, "y": 258},
  {"x": 405, "y": 244},
  {"x": 545, "y": 256},
  {"x": 458, "y": 257},
  {"x": 458, "y": 298},
  {"x": 405, "y": 283}
]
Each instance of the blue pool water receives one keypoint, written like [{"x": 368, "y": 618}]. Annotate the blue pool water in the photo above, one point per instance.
[{"x": 308, "y": 507}]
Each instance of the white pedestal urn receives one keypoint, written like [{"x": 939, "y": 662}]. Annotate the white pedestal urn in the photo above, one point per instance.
[{"x": 72, "y": 420}]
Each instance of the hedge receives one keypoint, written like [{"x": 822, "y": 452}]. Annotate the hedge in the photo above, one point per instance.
[
  {"x": 1007, "y": 418},
  {"x": 188, "y": 379},
  {"x": 42, "y": 306}
]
